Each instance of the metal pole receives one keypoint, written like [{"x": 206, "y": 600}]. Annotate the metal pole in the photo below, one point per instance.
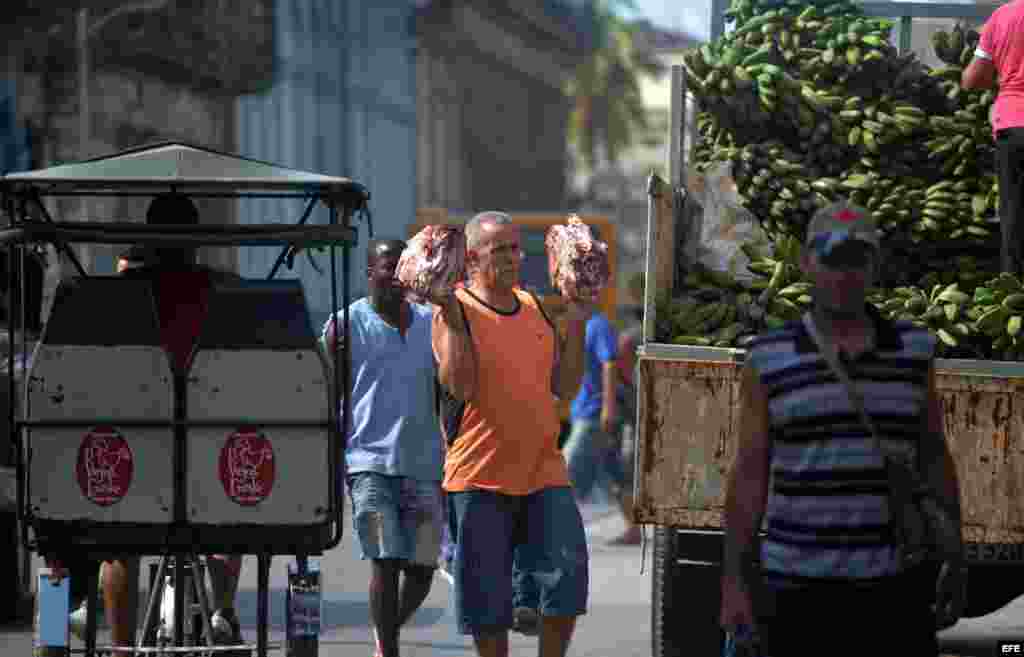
[
  {"x": 337, "y": 433},
  {"x": 906, "y": 25},
  {"x": 718, "y": 8},
  {"x": 11, "y": 393},
  {"x": 650, "y": 271},
  {"x": 92, "y": 613},
  {"x": 262, "y": 602},
  {"x": 677, "y": 140},
  {"x": 84, "y": 113},
  {"x": 179, "y": 599},
  {"x": 285, "y": 249}
]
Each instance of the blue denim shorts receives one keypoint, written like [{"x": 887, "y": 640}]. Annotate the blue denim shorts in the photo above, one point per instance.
[
  {"x": 586, "y": 458},
  {"x": 543, "y": 531},
  {"x": 397, "y": 517}
]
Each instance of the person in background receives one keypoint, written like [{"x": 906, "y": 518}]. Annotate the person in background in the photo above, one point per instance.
[
  {"x": 181, "y": 289},
  {"x": 393, "y": 452},
  {"x": 181, "y": 286},
  {"x": 593, "y": 409},
  {"x": 620, "y": 458},
  {"x": 1000, "y": 57}
]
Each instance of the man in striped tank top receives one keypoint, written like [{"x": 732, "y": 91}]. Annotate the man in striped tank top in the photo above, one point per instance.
[{"x": 809, "y": 477}]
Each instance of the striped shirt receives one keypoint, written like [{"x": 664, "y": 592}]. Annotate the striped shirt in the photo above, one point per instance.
[{"x": 827, "y": 517}]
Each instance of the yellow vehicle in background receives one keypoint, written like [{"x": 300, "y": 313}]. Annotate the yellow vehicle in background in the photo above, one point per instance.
[{"x": 534, "y": 273}]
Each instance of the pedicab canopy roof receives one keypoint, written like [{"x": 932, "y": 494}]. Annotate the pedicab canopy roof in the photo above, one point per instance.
[{"x": 185, "y": 168}]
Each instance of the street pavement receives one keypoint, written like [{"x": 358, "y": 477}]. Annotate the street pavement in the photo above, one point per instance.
[{"x": 617, "y": 624}]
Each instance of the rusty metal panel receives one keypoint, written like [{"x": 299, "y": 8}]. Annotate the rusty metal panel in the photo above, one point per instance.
[
  {"x": 686, "y": 445},
  {"x": 277, "y": 478},
  {"x": 686, "y": 448},
  {"x": 982, "y": 417},
  {"x": 70, "y": 382},
  {"x": 258, "y": 385},
  {"x": 75, "y": 477}
]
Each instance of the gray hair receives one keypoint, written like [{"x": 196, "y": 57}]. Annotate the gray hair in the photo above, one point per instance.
[{"x": 475, "y": 226}]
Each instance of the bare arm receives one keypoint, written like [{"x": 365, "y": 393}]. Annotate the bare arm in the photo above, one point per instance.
[
  {"x": 329, "y": 344},
  {"x": 569, "y": 369},
  {"x": 609, "y": 398},
  {"x": 937, "y": 464},
  {"x": 979, "y": 74},
  {"x": 454, "y": 351},
  {"x": 747, "y": 494}
]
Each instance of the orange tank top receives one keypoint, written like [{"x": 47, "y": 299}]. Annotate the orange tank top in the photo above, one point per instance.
[{"x": 507, "y": 440}]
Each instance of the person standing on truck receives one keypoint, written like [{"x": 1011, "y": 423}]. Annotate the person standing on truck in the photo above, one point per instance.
[
  {"x": 1000, "y": 57},
  {"x": 593, "y": 409},
  {"x": 393, "y": 451},
  {"x": 502, "y": 366},
  {"x": 828, "y": 570}
]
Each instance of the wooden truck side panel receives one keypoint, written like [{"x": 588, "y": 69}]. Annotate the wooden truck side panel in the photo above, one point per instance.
[{"x": 689, "y": 427}]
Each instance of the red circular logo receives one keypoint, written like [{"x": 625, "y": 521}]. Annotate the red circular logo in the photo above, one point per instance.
[
  {"x": 247, "y": 467},
  {"x": 105, "y": 466}
]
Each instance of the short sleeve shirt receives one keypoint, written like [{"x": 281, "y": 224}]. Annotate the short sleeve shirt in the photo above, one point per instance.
[
  {"x": 394, "y": 429},
  {"x": 601, "y": 347},
  {"x": 1002, "y": 43}
]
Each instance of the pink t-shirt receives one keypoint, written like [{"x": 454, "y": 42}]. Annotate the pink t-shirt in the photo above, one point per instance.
[{"x": 1002, "y": 43}]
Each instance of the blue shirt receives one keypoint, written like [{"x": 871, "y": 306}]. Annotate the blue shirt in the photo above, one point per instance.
[
  {"x": 394, "y": 429},
  {"x": 600, "y": 347}
]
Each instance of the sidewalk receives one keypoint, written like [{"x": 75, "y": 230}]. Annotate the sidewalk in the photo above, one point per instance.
[{"x": 618, "y": 621}]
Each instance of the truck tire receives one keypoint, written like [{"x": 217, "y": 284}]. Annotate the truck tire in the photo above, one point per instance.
[
  {"x": 665, "y": 595},
  {"x": 991, "y": 587}
]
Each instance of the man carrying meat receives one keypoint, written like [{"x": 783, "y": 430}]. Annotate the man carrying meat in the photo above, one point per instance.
[
  {"x": 502, "y": 367},
  {"x": 393, "y": 449}
]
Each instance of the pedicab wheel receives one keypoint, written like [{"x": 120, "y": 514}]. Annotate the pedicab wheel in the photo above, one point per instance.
[{"x": 665, "y": 596}]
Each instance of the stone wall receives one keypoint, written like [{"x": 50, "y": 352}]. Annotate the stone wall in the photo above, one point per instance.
[
  {"x": 171, "y": 72},
  {"x": 492, "y": 114}
]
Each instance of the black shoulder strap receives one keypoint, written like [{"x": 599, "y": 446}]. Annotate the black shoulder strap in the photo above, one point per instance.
[
  {"x": 450, "y": 409},
  {"x": 555, "y": 335},
  {"x": 543, "y": 312}
]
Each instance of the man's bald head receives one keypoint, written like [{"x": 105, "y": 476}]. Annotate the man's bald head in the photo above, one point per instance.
[
  {"x": 383, "y": 247},
  {"x": 476, "y": 228}
]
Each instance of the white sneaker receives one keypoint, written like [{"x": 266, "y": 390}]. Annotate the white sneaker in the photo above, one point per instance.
[
  {"x": 445, "y": 569},
  {"x": 225, "y": 632},
  {"x": 78, "y": 619}
]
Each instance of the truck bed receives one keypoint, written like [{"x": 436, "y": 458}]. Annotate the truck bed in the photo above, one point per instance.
[{"x": 688, "y": 425}]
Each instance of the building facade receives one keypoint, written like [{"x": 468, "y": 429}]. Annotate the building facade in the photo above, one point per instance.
[
  {"x": 343, "y": 103},
  {"x": 492, "y": 112},
  {"x": 440, "y": 103}
]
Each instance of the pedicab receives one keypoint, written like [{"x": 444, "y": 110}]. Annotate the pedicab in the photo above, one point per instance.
[{"x": 118, "y": 452}]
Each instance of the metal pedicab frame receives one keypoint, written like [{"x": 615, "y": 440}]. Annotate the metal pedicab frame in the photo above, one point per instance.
[{"x": 198, "y": 173}]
